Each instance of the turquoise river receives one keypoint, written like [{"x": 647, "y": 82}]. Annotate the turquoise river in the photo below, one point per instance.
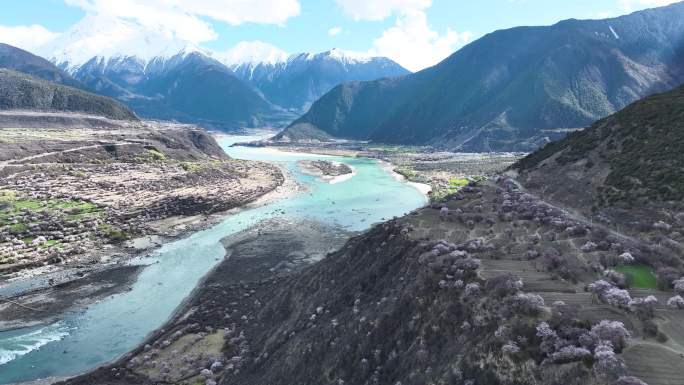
[{"x": 87, "y": 338}]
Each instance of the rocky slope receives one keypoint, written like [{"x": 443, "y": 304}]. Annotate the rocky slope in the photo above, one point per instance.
[
  {"x": 514, "y": 89},
  {"x": 490, "y": 288},
  {"x": 627, "y": 168},
  {"x": 24, "y": 92},
  {"x": 299, "y": 80}
]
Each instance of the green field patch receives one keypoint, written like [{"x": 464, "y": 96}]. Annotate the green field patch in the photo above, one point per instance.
[
  {"x": 30, "y": 204},
  {"x": 12, "y": 204},
  {"x": 28, "y": 240},
  {"x": 458, "y": 182},
  {"x": 18, "y": 228},
  {"x": 50, "y": 243},
  {"x": 639, "y": 276},
  {"x": 151, "y": 156},
  {"x": 72, "y": 205},
  {"x": 190, "y": 166},
  {"x": 80, "y": 217},
  {"x": 393, "y": 148},
  {"x": 407, "y": 172},
  {"x": 5, "y": 216},
  {"x": 113, "y": 233},
  {"x": 157, "y": 155}
]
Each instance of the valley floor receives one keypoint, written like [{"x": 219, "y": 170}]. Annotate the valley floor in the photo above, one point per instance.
[
  {"x": 439, "y": 173},
  {"x": 265, "y": 315},
  {"x": 81, "y": 194},
  {"x": 296, "y": 302}
]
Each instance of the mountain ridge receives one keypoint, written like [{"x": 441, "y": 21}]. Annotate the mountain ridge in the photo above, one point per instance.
[
  {"x": 19, "y": 91},
  {"x": 131, "y": 67},
  {"x": 297, "y": 81},
  {"x": 160, "y": 88},
  {"x": 626, "y": 164},
  {"x": 23, "y": 61},
  {"x": 513, "y": 89}
]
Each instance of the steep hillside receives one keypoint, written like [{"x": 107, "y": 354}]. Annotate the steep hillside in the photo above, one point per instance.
[
  {"x": 298, "y": 81},
  {"x": 488, "y": 289},
  {"x": 19, "y": 60},
  {"x": 629, "y": 162},
  {"x": 21, "y": 91},
  {"x": 514, "y": 89}
]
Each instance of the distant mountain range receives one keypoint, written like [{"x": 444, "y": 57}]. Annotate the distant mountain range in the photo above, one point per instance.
[
  {"x": 159, "y": 77},
  {"x": 188, "y": 86},
  {"x": 513, "y": 89},
  {"x": 166, "y": 78},
  {"x": 297, "y": 81}
]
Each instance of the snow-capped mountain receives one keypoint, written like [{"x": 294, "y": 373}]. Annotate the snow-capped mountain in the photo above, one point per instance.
[
  {"x": 251, "y": 53},
  {"x": 158, "y": 75},
  {"x": 296, "y": 81},
  {"x": 188, "y": 87},
  {"x": 163, "y": 77}
]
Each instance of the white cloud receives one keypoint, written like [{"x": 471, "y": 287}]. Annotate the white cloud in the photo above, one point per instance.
[
  {"x": 633, "y": 5},
  {"x": 183, "y": 17},
  {"x": 412, "y": 43},
  {"x": 252, "y": 52},
  {"x": 101, "y": 35},
  {"x": 28, "y": 37},
  {"x": 334, "y": 31},
  {"x": 380, "y": 9}
]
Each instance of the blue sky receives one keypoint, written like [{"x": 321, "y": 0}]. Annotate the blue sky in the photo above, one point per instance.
[{"x": 416, "y": 33}]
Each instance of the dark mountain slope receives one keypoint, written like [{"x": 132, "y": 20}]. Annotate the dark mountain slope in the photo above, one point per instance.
[
  {"x": 631, "y": 163},
  {"x": 24, "y": 92},
  {"x": 396, "y": 305},
  {"x": 19, "y": 60},
  {"x": 514, "y": 89},
  {"x": 206, "y": 90}
]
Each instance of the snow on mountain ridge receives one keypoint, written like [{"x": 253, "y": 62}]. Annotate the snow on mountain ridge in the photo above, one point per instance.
[
  {"x": 109, "y": 43},
  {"x": 342, "y": 56},
  {"x": 251, "y": 52}
]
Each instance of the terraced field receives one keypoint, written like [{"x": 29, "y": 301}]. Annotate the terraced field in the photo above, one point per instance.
[
  {"x": 655, "y": 364},
  {"x": 553, "y": 261},
  {"x": 535, "y": 280},
  {"x": 672, "y": 325}
]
